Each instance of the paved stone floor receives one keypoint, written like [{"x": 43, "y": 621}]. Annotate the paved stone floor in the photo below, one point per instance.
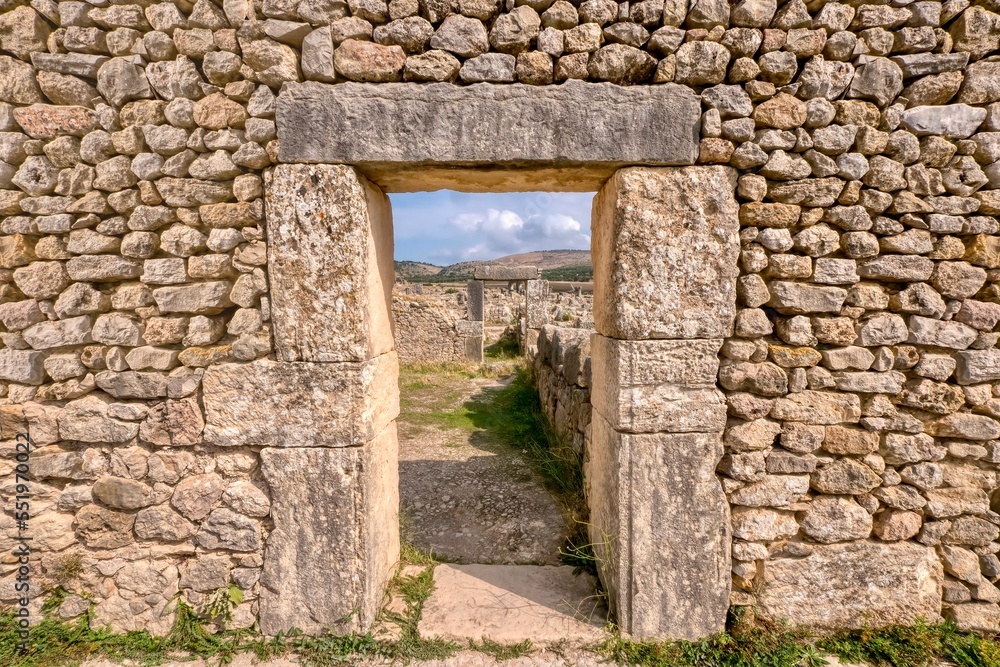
[
  {"x": 510, "y": 603},
  {"x": 470, "y": 499},
  {"x": 465, "y": 497}
]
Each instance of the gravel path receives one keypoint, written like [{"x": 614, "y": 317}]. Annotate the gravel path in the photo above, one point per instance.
[{"x": 466, "y": 497}]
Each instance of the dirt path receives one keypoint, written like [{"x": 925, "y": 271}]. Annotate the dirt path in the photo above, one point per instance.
[{"x": 465, "y": 495}]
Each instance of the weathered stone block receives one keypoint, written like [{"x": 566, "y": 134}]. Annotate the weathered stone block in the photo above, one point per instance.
[
  {"x": 975, "y": 366},
  {"x": 661, "y": 529},
  {"x": 23, "y": 366},
  {"x": 330, "y": 264},
  {"x": 282, "y": 404},
  {"x": 818, "y": 407},
  {"x": 474, "y": 348},
  {"x": 658, "y": 385},
  {"x": 505, "y": 272},
  {"x": 59, "y": 333},
  {"x": 667, "y": 242},
  {"x": 689, "y": 363},
  {"x": 487, "y": 126},
  {"x": 477, "y": 299},
  {"x": 854, "y": 585},
  {"x": 536, "y": 310},
  {"x": 335, "y": 540},
  {"x": 660, "y": 408}
]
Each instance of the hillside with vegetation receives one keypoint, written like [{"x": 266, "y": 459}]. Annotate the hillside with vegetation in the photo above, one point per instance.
[{"x": 565, "y": 265}]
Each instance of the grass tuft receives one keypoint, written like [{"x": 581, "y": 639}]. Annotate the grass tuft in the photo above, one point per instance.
[
  {"x": 58, "y": 643},
  {"x": 914, "y": 646},
  {"x": 506, "y": 348}
]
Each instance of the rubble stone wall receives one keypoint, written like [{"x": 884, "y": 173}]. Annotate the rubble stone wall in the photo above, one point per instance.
[
  {"x": 425, "y": 328},
  {"x": 861, "y": 377},
  {"x": 562, "y": 376}
]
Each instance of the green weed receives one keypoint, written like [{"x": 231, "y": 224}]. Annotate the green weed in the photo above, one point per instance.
[
  {"x": 507, "y": 348},
  {"x": 65, "y": 568},
  {"x": 58, "y": 643},
  {"x": 914, "y": 646},
  {"x": 756, "y": 648},
  {"x": 414, "y": 591},
  {"x": 219, "y": 604}
]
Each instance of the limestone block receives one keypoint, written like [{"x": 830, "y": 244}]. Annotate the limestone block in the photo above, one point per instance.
[
  {"x": 335, "y": 541},
  {"x": 953, "y": 121},
  {"x": 469, "y": 328},
  {"x": 691, "y": 363},
  {"x": 87, "y": 420},
  {"x": 661, "y": 408},
  {"x": 665, "y": 244},
  {"x": 60, "y": 333},
  {"x": 24, "y": 366},
  {"x": 659, "y": 385},
  {"x": 477, "y": 298},
  {"x": 330, "y": 264},
  {"x": 510, "y": 603},
  {"x": 199, "y": 298},
  {"x": 282, "y": 404},
  {"x": 505, "y": 272},
  {"x": 45, "y": 121},
  {"x": 535, "y": 306},
  {"x": 854, "y": 585},
  {"x": 926, "y": 331},
  {"x": 661, "y": 529},
  {"x": 474, "y": 348},
  {"x": 818, "y": 407},
  {"x": 975, "y": 366},
  {"x": 488, "y": 125}
]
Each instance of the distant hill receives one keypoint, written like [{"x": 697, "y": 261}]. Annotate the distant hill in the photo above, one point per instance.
[
  {"x": 578, "y": 273},
  {"x": 554, "y": 265},
  {"x": 406, "y": 269}
]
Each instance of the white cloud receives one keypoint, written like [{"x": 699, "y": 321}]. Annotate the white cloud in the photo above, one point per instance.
[
  {"x": 445, "y": 227},
  {"x": 505, "y": 232}
]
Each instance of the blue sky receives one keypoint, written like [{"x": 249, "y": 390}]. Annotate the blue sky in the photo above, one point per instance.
[{"x": 445, "y": 227}]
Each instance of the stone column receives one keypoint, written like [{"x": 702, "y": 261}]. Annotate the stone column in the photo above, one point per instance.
[
  {"x": 665, "y": 249},
  {"x": 324, "y": 411},
  {"x": 536, "y": 313},
  {"x": 476, "y": 290},
  {"x": 472, "y": 330}
]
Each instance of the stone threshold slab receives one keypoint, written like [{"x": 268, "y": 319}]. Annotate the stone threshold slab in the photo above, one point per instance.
[{"x": 511, "y": 603}]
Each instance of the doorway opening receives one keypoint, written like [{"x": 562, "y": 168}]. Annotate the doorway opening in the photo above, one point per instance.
[
  {"x": 487, "y": 486},
  {"x": 665, "y": 250}
]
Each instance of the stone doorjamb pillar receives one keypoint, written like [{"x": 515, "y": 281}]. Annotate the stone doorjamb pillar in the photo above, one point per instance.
[
  {"x": 324, "y": 411},
  {"x": 473, "y": 329},
  {"x": 665, "y": 249}
]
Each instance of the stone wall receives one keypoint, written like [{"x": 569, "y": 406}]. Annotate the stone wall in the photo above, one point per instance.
[
  {"x": 426, "y": 328},
  {"x": 562, "y": 376},
  {"x": 861, "y": 447}
]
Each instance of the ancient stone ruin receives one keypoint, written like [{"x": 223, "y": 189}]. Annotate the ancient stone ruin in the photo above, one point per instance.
[
  {"x": 789, "y": 402},
  {"x": 534, "y": 304},
  {"x": 434, "y": 327}
]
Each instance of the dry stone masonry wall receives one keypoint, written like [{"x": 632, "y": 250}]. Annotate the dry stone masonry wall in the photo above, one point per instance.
[
  {"x": 427, "y": 328},
  {"x": 562, "y": 375},
  {"x": 859, "y": 368}
]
